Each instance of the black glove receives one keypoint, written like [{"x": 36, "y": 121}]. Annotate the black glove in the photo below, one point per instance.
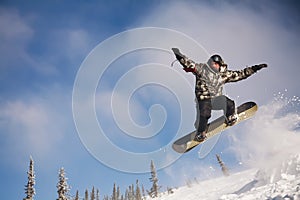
[
  {"x": 259, "y": 67},
  {"x": 177, "y": 53}
]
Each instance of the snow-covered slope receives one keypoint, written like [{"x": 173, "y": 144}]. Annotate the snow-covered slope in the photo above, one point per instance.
[
  {"x": 212, "y": 189},
  {"x": 270, "y": 146},
  {"x": 282, "y": 182}
]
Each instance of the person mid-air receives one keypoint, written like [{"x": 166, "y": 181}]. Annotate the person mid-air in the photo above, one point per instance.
[{"x": 210, "y": 79}]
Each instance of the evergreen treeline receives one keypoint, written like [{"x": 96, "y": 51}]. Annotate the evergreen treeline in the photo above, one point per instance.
[{"x": 133, "y": 192}]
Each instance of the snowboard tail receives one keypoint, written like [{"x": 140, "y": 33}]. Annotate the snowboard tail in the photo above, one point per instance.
[{"x": 187, "y": 142}]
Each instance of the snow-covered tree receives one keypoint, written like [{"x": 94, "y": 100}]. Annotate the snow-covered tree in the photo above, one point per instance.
[
  {"x": 115, "y": 194},
  {"x": 77, "y": 195},
  {"x": 97, "y": 195},
  {"x": 154, "y": 190},
  {"x": 130, "y": 194},
  {"x": 106, "y": 198},
  {"x": 62, "y": 186},
  {"x": 29, "y": 188},
  {"x": 138, "y": 194},
  {"x": 170, "y": 190},
  {"x": 126, "y": 195},
  {"x": 86, "y": 195},
  {"x": 93, "y": 194},
  {"x": 143, "y": 191},
  {"x": 222, "y": 165},
  {"x": 118, "y": 193}
]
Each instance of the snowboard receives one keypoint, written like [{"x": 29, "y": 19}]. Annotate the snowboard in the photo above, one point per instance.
[{"x": 187, "y": 142}]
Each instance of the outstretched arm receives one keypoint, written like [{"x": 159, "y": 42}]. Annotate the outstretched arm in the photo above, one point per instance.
[
  {"x": 188, "y": 64},
  {"x": 233, "y": 76}
]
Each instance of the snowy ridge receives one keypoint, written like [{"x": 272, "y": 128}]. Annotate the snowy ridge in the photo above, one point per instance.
[
  {"x": 278, "y": 183},
  {"x": 282, "y": 182}
]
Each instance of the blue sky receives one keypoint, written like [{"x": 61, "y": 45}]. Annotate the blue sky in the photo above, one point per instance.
[{"x": 43, "y": 47}]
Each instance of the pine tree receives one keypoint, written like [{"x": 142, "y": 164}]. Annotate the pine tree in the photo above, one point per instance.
[
  {"x": 77, "y": 195},
  {"x": 138, "y": 195},
  {"x": 97, "y": 195},
  {"x": 118, "y": 193},
  {"x": 154, "y": 190},
  {"x": 105, "y": 198},
  {"x": 130, "y": 193},
  {"x": 126, "y": 195},
  {"x": 93, "y": 194},
  {"x": 86, "y": 195},
  {"x": 222, "y": 165},
  {"x": 170, "y": 190},
  {"x": 62, "y": 186},
  {"x": 143, "y": 192},
  {"x": 114, "y": 194},
  {"x": 29, "y": 188}
]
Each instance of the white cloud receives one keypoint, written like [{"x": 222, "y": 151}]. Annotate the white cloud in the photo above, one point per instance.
[
  {"x": 18, "y": 32},
  {"x": 15, "y": 33},
  {"x": 126, "y": 115},
  {"x": 30, "y": 127},
  {"x": 79, "y": 41},
  {"x": 75, "y": 43},
  {"x": 14, "y": 28},
  {"x": 243, "y": 37}
]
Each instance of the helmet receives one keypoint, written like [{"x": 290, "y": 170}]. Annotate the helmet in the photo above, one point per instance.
[{"x": 216, "y": 58}]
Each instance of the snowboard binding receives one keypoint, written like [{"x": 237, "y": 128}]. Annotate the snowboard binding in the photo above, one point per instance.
[{"x": 231, "y": 120}]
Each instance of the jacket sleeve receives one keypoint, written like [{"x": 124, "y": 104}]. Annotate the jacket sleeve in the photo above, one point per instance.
[
  {"x": 189, "y": 65},
  {"x": 234, "y": 76}
]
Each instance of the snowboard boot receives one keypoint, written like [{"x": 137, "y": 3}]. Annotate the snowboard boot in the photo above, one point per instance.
[
  {"x": 199, "y": 137},
  {"x": 231, "y": 120}
]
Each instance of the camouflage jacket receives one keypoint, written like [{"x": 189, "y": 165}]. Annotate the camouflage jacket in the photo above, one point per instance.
[{"x": 209, "y": 83}]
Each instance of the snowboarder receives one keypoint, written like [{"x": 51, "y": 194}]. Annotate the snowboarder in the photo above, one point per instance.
[{"x": 210, "y": 79}]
